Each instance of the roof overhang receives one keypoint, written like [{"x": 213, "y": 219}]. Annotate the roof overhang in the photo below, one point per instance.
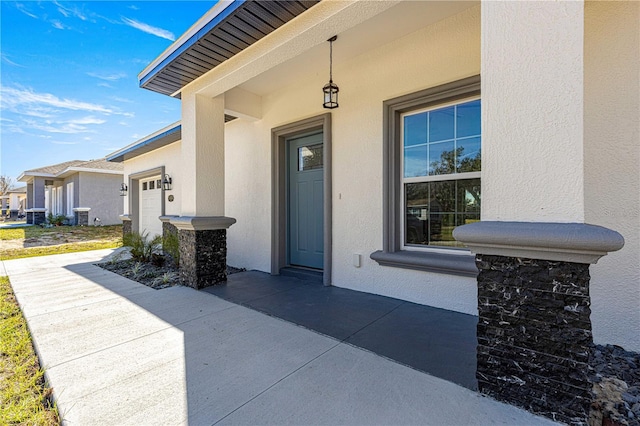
[
  {"x": 162, "y": 137},
  {"x": 71, "y": 170},
  {"x": 226, "y": 30},
  {"x": 29, "y": 176}
]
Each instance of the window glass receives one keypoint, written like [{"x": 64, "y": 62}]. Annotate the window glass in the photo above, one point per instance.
[
  {"x": 442, "y": 158},
  {"x": 310, "y": 157},
  {"x": 441, "y": 124},
  {"x": 468, "y": 119},
  {"x": 152, "y": 184},
  {"x": 159, "y": 184},
  {"x": 415, "y": 129},
  {"x": 444, "y": 171},
  {"x": 415, "y": 161},
  {"x": 144, "y": 186},
  {"x": 434, "y": 209}
]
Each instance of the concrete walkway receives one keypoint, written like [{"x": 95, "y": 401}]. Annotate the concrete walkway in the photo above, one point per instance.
[{"x": 119, "y": 353}]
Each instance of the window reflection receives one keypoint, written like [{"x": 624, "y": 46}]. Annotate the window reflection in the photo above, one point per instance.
[{"x": 310, "y": 157}]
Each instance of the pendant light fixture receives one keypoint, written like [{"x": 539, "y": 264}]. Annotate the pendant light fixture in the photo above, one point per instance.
[{"x": 331, "y": 89}]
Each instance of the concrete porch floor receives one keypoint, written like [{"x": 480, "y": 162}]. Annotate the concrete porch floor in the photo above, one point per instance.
[
  {"x": 435, "y": 341},
  {"x": 120, "y": 353}
]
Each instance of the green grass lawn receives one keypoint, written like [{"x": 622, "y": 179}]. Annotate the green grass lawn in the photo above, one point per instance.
[
  {"x": 33, "y": 241},
  {"x": 24, "y": 396}
]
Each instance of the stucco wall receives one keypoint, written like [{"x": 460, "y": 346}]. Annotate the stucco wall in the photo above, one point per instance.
[
  {"x": 533, "y": 115},
  {"x": 167, "y": 156},
  {"x": 446, "y": 51},
  {"x": 612, "y": 164},
  {"x": 100, "y": 192}
]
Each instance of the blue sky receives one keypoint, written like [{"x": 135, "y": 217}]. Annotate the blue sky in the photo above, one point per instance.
[{"x": 69, "y": 87}]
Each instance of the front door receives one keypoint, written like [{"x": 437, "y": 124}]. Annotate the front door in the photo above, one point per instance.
[{"x": 305, "y": 201}]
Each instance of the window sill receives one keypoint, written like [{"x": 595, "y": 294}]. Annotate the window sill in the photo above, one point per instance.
[{"x": 442, "y": 263}]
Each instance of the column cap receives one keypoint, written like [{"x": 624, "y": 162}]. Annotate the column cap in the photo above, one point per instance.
[
  {"x": 36, "y": 210},
  {"x": 202, "y": 223},
  {"x": 124, "y": 217},
  {"x": 566, "y": 242},
  {"x": 81, "y": 209},
  {"x": 167, "y": 218}
]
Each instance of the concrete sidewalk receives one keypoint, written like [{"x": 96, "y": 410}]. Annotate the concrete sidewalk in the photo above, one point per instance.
[{"x": 118, "y": 352}]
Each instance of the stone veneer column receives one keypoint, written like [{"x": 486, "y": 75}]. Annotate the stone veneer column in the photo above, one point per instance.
[
  {"x": 81, "y": 216},
  {"x": 126, "y": 225},
  {"x": 534, "y": 327},
  {"x": 203, "y": 249},
  {"x": 36, "y": 216}
]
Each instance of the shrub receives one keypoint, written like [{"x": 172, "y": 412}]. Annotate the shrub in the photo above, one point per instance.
[
  {"x": 56, "y": 220},
  {"x": 143, "y": 249},
  {"x": 171, "y": 246}
]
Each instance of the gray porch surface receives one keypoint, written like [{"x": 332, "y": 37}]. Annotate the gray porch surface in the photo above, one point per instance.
[{"x": 118, "y": 352}]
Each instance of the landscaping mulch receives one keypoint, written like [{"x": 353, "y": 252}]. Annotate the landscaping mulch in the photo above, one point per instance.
[{"x": 154, "y": 276}]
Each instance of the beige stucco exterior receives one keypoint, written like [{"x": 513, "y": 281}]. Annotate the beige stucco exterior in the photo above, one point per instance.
[{"x": 578, "y": 163}]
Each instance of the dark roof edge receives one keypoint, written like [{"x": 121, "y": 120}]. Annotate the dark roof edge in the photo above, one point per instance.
[
  {"x": 154, "y": 141},
  {"x": 180, "y": 46}
]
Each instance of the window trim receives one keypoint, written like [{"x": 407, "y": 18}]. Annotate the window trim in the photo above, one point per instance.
[{"x": 458, "y": 262}]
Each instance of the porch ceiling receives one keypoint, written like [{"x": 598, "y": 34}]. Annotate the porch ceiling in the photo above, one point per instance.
[
  {"x": 398, "y": 21},
  {"x": 226, "y": 30}
]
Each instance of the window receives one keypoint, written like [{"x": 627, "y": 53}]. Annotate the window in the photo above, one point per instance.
[
  {"x": 431, "y": 177},
  {"x": 70, "y": 199},
  {"x": 441, "y": 172}
]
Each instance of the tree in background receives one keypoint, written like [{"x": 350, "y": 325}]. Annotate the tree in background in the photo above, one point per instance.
[{"x": 5, "y": 184}]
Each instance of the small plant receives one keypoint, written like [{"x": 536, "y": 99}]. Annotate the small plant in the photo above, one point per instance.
[
  {"x": 166, "y": 278},
  {"x": 56, "y": 220},
  {"x": 143, "y": 249},
  {"x": 135, "y": 270},
  {"x": 171, "y": 246}
]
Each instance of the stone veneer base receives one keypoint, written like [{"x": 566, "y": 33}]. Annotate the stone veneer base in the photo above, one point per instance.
[
  {"x": 81, "y": 218},
  {"x": 203, "y": 257},
  {"x": 534, "y": 335}
]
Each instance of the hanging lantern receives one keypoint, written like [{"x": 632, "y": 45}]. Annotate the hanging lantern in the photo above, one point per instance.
[
  {"x": 331, "y": 89},
  {"x": 123, "y": 189}
]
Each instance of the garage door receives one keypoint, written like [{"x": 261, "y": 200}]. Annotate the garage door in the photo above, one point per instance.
[{"x": 150, "y": 206}]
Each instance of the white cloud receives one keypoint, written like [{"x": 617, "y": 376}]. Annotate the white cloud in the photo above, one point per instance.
[
  {"x": 21, "y": 7},
  {"x": 158, "y": 32},
  {"x": 11, "y": 97},
  {"x": 59, "y": 25},
  {"x": 119, "y": 99},
  {"x": 10, "y": 62},
  {"x": 87, "y": 120},
  {"x": 107, "y": 77},
  {"x": 68, "y": 11}
]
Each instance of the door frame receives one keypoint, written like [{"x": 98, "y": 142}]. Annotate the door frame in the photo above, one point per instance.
[{"x": 279, "y": 197}]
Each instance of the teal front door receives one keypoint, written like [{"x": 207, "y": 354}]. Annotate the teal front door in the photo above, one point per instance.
[{"x": 305, "y": 201}]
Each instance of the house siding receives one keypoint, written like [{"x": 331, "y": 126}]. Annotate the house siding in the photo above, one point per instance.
[
  {"x": 100, "y": 193},
  {"x": 612, "y": 164}
]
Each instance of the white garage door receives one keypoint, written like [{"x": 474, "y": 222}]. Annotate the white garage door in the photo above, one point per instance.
[{"x": 150, "y": 206}]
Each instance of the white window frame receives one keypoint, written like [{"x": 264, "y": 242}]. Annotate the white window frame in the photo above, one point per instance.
[
  {"x": 428, "y": 178},
  {"x": 70, "y": 199}
]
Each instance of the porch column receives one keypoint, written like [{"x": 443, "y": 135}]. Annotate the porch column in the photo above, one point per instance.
[
  {"x": 202, "y": 224},
  {"x": 532, "y": 246}
]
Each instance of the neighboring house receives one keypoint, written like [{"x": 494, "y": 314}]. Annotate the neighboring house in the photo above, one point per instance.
[
  {"x": 14, "y": 203},
  {"x": 369, "y": 193},
  {"x": 80, "y": 190}
]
